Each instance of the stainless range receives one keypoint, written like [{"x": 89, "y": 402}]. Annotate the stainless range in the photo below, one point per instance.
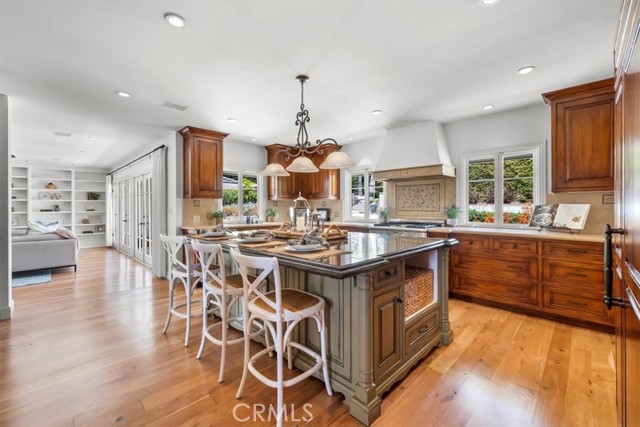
[{"x": 405, "y": 228}]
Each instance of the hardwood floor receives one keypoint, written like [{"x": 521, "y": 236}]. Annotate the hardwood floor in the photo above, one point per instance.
[{"x": 87, "y": 350}]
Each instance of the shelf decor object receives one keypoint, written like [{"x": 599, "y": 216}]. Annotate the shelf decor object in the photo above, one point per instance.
[
  {"x": 91, "y": 195},
  {"x": 51, "y": 186},
  {"x": 302, "y": 164}
]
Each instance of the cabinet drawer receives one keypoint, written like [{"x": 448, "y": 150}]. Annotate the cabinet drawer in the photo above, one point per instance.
[
  {"x": 388, "y": 274},
  {"x": 469, "y": 243},
  {"x": 417, "y": 333},
  {"x": 515, "y": 247},
  {"x": 579, "y": 305},
  {"x": 514, "y": 292},
  {"x": 516, "y": 269},
  {"x": 575, "y": 275},
  {"x": 577, "y": 251}
]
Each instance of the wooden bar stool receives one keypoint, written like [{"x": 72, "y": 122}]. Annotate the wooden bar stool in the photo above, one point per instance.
[
  {"x": 281, "y": 310},
  {"x": 188, "y": 273},
  {"x": 222, "y": 291}
]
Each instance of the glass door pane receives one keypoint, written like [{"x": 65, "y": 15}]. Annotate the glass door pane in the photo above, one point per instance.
[
  {"x": 517, "y": 202},
  {"x": 481, "y": 203}
]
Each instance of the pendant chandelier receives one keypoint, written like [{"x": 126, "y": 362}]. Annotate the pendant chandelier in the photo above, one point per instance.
[{"x": 303, "y": 147}]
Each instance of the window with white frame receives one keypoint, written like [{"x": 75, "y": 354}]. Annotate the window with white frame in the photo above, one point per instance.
[
  {"x": 366, "y": 195},
  {"x": 501, "y": 187},
  {"x": 239, "y": 194}
]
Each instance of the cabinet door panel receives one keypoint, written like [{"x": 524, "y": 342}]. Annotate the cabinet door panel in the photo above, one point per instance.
[
  {"x": 515, "y": 247},
  {"x": 206, "y": 180},
  {"x": 514, "y": 268},
  {"x": 573, "y": 250},
  {"x": 387, "y": 318},
  {"x": 580, "y": 276},
  {"x": 580, "y": 305},
  {"x": 491, "y": 290}
]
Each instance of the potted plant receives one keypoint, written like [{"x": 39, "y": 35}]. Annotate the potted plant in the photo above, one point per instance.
[
  {"x": 271, "y": 214},
  {"x": 452, "y": 214},
  {"x": 383, "y": 214},
  {"x": 215, "y": 217},
  {"x": 93, "y": 195},
  {"x": 56, "y": 208}
]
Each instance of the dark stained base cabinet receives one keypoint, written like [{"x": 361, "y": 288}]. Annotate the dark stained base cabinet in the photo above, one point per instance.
[{"x": 560, "y": 279}]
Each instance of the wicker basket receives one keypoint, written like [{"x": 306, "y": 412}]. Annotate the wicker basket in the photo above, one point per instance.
[{"x": 418, "y": 289}]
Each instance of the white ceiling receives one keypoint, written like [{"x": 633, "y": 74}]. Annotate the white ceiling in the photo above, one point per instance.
[{"x": 62, "y": 61}]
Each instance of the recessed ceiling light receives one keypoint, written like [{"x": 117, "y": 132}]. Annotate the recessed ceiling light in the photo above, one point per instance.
[
  {"x": 254, "y": 139},
  {"x": 123, "y": 94},
  {"x": 231, "y": 120},
  {"x": 65, "y": 134},
  {"x": 55, "y": 159},
  {"x": 526, "y": 70},
  {"x": 91, "y": 138},
  {"x": 488, "y": 2},
  {"x": 488, "y": 107},
  {"x": 174, "y": 20},
  {"x": 350, "y": 138},
  {"x": 81, "y": 151},
  {"x": 376, "y": 112}
]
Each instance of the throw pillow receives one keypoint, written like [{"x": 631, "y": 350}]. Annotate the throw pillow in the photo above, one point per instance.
[{"x": 43, "y": 226}]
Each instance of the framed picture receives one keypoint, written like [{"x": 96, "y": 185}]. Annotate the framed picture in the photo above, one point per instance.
[
  {"x": 100, "y": 229},
  {"x": 43, "y": 195},
  {"x": 95, "y": 219}
]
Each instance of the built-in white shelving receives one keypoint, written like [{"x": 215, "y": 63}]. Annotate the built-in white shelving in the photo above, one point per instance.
[{"x": 66, "y": 195}]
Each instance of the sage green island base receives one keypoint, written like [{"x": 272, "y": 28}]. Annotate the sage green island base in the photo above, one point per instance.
[{"x": 386, "y": 309}]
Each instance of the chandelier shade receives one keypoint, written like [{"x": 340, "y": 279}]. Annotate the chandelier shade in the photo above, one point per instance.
[
  {"x": 302, "y": 164},
  {"x": 274, "y": 169},
  {"x": 337, "y": 160}
]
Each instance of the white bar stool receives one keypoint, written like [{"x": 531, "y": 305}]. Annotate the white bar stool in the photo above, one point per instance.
[
  {"x": 183, "y": 272},
  {"x": 222, "y": 291},
  {"x": 277, "y": 308}
]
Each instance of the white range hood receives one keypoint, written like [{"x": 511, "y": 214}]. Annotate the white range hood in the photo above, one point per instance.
[
  {"x": 415, "y": 151},
  {"x": 415, "y": 162}
]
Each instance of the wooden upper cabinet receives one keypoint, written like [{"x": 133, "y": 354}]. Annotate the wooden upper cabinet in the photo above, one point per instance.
[
  {"x": 324, "y": 184},
  {"x": 582, "y": 137},
  {"x": 202, "y": 163}
]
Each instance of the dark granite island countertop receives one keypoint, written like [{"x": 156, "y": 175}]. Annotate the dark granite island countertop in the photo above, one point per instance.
[
  {"x": 386, "y": 308},
  {"x": 362, "y": 252}
]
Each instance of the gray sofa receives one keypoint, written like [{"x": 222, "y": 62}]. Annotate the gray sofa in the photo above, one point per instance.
[{"x": 33, "y": 250}]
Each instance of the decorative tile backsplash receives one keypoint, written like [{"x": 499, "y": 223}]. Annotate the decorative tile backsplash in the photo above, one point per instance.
[{"x": 418, "y": 197}]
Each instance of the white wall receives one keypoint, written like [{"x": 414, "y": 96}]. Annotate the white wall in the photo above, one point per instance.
[
  {"x": 243, "y": 156},
  {"x": 6, "y": 299},
  {"x": 519, "y": 126},
  {"x": 365, "y": 153}
]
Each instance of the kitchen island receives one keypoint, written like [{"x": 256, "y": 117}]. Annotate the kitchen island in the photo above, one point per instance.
[{"x": 386, "y": 308}]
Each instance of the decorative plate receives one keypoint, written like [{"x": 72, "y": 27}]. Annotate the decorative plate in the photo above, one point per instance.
[{"x": 304, "y": 248}]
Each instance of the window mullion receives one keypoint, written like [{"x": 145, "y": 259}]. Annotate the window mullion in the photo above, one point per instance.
[{"x": 498, "y": 192}]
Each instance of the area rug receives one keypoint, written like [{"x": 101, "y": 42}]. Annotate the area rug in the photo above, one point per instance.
[{"x": 25, "y": 278}]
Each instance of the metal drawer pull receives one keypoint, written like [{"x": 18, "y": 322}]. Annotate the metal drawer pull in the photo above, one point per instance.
[
  {"x": 577, "y": 251},
  {"x": 576, "y": 303},
  {"x": 389, "y": 273},
  {"x": 576, "y": 274},
  {"x": 515, "y": 246},
  {"x": 400, "y": 300},
  {"x": 423, "y": 329}
]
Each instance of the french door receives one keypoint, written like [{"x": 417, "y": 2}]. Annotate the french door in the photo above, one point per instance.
[
  {"x": 132, "y": 217},
  {"x": 142, "y": 218}
]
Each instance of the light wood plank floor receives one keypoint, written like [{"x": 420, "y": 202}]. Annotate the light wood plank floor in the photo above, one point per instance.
[{"x": 87, "y": 350}]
